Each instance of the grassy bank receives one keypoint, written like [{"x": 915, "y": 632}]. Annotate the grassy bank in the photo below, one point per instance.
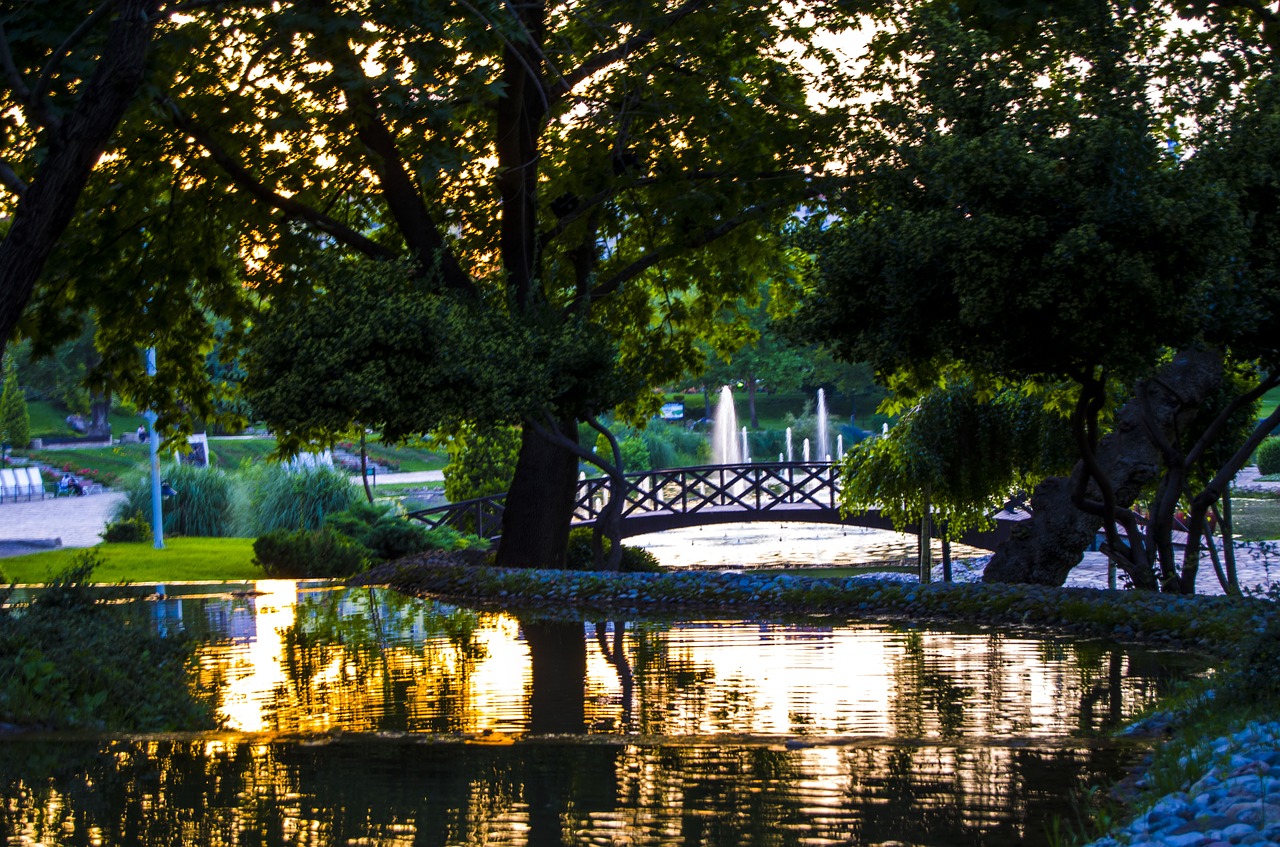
[{"x": 181, "y": 560}]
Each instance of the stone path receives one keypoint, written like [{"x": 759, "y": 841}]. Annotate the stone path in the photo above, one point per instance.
[
  {"x": 27, "y": 527},
  {"x": 394, "y": 478}
]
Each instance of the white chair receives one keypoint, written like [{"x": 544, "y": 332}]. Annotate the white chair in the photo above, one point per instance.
[
  {"x": 8, "y": 484},
  {"x": 34, "y": 480}
]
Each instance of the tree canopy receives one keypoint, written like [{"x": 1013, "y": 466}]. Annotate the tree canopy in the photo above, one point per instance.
[{"x": 1031, "y": 205}]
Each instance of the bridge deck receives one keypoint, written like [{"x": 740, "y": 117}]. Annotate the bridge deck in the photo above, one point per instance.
[{"x": 683, "y": 497}]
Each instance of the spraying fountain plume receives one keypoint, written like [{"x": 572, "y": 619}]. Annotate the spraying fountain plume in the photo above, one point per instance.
[
  {"x": 823, "y": 440},
  {"x": 724, "y": 435}
]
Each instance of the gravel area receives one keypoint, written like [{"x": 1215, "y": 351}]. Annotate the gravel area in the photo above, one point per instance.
[{"x": 1236, "y": 802}]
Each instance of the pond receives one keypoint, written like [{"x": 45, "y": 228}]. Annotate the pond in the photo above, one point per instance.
[{"x": 365, "y": 717}]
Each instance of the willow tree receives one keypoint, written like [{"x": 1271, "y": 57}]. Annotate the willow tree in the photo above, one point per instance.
[{"x": 955, "y": 458}]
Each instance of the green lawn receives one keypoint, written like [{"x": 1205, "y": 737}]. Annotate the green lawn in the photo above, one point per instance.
[
  {"x": 105, "y": 464},
  {"x": 50, "y": 421},
  {"x": 406, "y": 459},
  {"x": 182, "y": 560},
  {"x": 231, "y": 453},
  {"x": 1269, "y": 402}
]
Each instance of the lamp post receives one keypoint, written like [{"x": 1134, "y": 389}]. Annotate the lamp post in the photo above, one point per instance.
[{"x": 157, "y": 510}]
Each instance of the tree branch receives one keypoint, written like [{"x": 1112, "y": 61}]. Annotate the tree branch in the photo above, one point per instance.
[
  {"x": 10, "y": 179},
  {"x": 533, "y": 75},
  {"x": 36, "y": 115},
  {"x": 55, "y": 61},
  {"x": 707, "y": 236},
  {"x": 603, "y": 60},
  {"x": 402, "y": 196},
  {"x": 245, "y": 181}
]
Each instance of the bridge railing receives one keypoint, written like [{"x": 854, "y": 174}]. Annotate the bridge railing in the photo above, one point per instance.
[{"x": 749, "y": 488}]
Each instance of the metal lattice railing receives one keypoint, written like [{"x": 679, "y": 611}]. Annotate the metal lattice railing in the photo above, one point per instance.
[{"x": 752, "y": 488}]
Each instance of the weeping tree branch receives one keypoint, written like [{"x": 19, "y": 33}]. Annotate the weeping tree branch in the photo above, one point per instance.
[{"x": 610, "y": 520}]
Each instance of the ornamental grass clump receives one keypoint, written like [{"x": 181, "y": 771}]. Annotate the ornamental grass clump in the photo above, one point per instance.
[
  {"x": 276, "y": 496},
  {"x": 202, "y": 503}
]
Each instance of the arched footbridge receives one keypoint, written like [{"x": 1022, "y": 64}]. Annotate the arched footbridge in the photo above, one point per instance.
[{"x": 699, "y": 496}]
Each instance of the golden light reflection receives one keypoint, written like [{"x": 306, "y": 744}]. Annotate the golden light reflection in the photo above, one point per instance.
[{"x": 373, "y": 660}]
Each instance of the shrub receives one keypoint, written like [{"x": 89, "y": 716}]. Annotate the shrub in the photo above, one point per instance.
[
  {"x": 15, "y": 421},
  {"x": 68, "y": 662},
  {"x": 308, "y": 553},
  {"x": 481, "y": 462},
  {"x": 1269, "y": 456},
  {"x": 277, "y": 497},
  {"x": 389, "y": 536},
  {"x": 135, "y": 528},
  {"x": 204, "y": 505},
  {"x": 579, "y": 556}
]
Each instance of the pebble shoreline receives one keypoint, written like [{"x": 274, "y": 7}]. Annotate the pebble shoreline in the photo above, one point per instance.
[{"x": 1236, "y": 802}]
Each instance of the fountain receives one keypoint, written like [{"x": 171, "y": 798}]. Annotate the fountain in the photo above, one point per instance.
[
  {"x": 790, "y": 457},
  {"x": 806, "y": 451},
  {"x": 746, "y": 448},
  {"x": 725, "y": 449},
  {"x": 823, "y": 440}
]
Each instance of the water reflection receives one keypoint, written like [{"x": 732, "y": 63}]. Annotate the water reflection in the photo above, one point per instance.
[
  {"x": 370, "y": 660},
  {"x": 460, "y": 727},
  {"x": 396, "y": 793}
]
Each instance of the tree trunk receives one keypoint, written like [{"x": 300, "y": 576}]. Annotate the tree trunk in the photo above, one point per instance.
[
  {"x": 364, "y": 467},
  {"x": 1044, "y": 549},
  {"x": 535, "y": 522},
  {"x": 99, "y": 415},
  {"x": 46, "y": 207}
]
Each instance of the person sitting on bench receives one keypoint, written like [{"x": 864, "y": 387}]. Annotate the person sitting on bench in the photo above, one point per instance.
[{"x": 71, "y": 485}]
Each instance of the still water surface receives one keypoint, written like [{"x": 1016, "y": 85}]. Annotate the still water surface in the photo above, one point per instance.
[{"x": 365, "y": 717}]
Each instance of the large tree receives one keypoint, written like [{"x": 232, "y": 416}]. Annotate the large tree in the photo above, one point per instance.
[
  {"x": 70, "y": 72},
  {"x": 1022, "y": 218},
  {"x": 569, "y": 194}
]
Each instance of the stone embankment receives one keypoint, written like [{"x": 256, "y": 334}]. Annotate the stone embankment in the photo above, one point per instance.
[
  {"x": 1236, "y": 802},
  {"x": 1208, "y": 624}
]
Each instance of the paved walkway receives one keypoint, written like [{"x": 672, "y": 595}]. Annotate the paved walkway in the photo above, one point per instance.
[
  {"x": 28, "y": 527},
  {"x": 77, "y": 521},
  {"x": 395, "y": 478}
]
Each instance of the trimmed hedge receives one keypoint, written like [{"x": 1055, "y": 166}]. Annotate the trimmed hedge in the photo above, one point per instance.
[{"x": 1269, "y": 456}]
